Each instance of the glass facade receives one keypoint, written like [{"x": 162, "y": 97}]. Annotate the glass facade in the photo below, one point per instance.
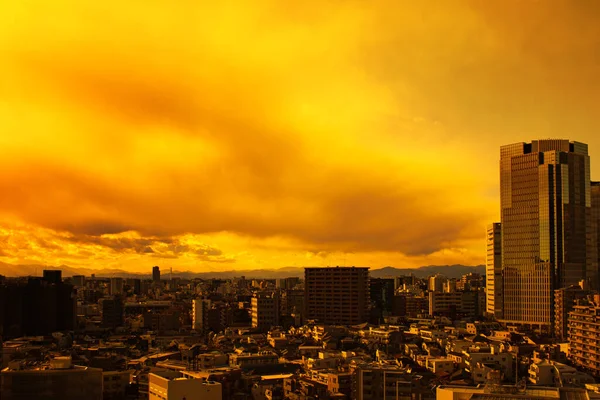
[{"x": 546, "y": 226}]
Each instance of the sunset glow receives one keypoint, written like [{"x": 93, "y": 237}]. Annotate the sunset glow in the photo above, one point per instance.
[{"x": 262, "y": 134}]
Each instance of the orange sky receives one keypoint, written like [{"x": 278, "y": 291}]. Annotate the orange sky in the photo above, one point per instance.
[{"x": 260, "y": 134}]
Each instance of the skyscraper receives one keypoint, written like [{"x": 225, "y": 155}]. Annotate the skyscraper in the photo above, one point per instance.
[
  {"x": 493, "y": 270},
  {"x": 337, "y": 295},
  {"x": 156, "y": 274},
  {"x": 546, "y": 226}
]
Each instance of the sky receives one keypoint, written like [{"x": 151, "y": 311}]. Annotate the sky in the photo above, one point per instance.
[{"x": 254, "y": 134}]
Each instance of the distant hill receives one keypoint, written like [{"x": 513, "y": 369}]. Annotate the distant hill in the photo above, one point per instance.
[{"x": 451, "y": 271}]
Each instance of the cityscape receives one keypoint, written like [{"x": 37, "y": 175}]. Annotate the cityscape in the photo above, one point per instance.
[
  {"x": 527, "y": 327},
  {"x": 325, "y": 199}
]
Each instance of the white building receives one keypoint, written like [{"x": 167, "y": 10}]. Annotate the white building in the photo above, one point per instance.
[{"x": 171, "y": 385}]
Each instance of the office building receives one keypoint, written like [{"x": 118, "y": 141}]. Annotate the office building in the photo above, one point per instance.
[
  {"x": 156, "y": 274},
  {"x": 56, "y": 379},
  {"x": 493, "y": 270},
  {"x": 584, "y": 329},
  {"x": 337, "y": 295},
  {"x": 116, "y": 286},
  {"x": 173, "y": 385},
  {"x": 545, "y": 201},
  {"x": 265, "y": 310}
]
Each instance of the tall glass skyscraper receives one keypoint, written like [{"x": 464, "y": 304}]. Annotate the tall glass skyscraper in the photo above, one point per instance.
[{"x": 545, "y": 196}]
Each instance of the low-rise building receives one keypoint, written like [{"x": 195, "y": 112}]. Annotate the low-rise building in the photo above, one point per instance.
[
  {"x": 57, "y": 379},
  {"x": 171, "y": 385},
  {"x": 250, "y": 360}
]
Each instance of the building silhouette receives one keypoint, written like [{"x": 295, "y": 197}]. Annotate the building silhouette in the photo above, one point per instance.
[
  {"x": 381, "y": 292},
  {"x": 546, "y": 221},
  {"x": 52, "y": 276},
  {"x": 112, "y": 312},
  {"x": 156, "y": 274},
  {"x": 337, "y": 295},
  {"x": 116, "y": 286},
  {"x": 36, "y": 307}
]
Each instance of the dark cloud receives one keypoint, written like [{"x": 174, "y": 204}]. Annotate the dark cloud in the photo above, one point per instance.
[{"x": 280, "y": 149}]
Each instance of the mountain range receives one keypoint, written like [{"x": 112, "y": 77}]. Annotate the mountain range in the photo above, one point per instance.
[{"x": 450, "y": 271}]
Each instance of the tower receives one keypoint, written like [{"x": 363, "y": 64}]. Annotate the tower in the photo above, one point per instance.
[
  {"x": 545, "y": 202},
  {"x": 156, "y": 274}
]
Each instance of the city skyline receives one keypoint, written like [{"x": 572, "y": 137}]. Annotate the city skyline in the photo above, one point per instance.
[{"x": 217, "y": 137}]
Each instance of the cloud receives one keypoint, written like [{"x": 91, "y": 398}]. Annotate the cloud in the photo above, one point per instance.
[{"x": 329, "y": 127}]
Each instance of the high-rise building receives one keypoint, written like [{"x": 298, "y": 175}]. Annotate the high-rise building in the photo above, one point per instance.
[
  {"x": 200, "y": 308},
  {"x": 265, "y": 310},
  {"x": 337, "y": 295},
  {"x": 156, "y": 274},
  {"x": 493, "y": 270},
  {"x": 546, "y": 227},
  {"x": 116, "y": 286}
]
